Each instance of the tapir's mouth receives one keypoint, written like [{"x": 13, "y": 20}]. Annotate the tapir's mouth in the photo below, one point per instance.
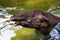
[
  {"x": 17, "y": 23},
  {"x": 20, "y": 23}
]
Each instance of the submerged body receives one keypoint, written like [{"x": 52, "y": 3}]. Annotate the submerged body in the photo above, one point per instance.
[{"x": 40, "y": 20}]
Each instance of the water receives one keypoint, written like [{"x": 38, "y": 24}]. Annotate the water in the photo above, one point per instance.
[
  {"x": 55, "y": 33},
  {"x": 55, "y": 10},
  {"x": 7, "y": 27}
]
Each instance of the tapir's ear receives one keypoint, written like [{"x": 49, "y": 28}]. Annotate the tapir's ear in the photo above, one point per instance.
[{"x": 45, "y": 18}]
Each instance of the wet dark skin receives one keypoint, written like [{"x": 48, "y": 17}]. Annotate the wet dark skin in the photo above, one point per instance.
[{"x": 37, "y": 19}]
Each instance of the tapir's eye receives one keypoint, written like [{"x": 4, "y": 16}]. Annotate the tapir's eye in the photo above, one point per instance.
[
  {"x": 42, "y": 21},
  {"x": 28, "y": 20}
]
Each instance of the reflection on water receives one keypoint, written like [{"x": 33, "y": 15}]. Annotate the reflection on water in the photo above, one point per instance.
[{"x": 7, "y": 28}]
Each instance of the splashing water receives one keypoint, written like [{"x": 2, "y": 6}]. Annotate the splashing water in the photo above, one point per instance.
[
  {"x": 7, "y": 27},
  {"x": 54, "y": 10}
]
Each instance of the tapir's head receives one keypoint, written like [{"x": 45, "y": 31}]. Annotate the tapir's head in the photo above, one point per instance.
[{"x": 31, "y": 19}]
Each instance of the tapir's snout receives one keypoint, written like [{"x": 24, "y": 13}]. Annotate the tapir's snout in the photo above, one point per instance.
[
  {"x": 15, "y": 18},
  {"x": 12, "y": 19}
]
